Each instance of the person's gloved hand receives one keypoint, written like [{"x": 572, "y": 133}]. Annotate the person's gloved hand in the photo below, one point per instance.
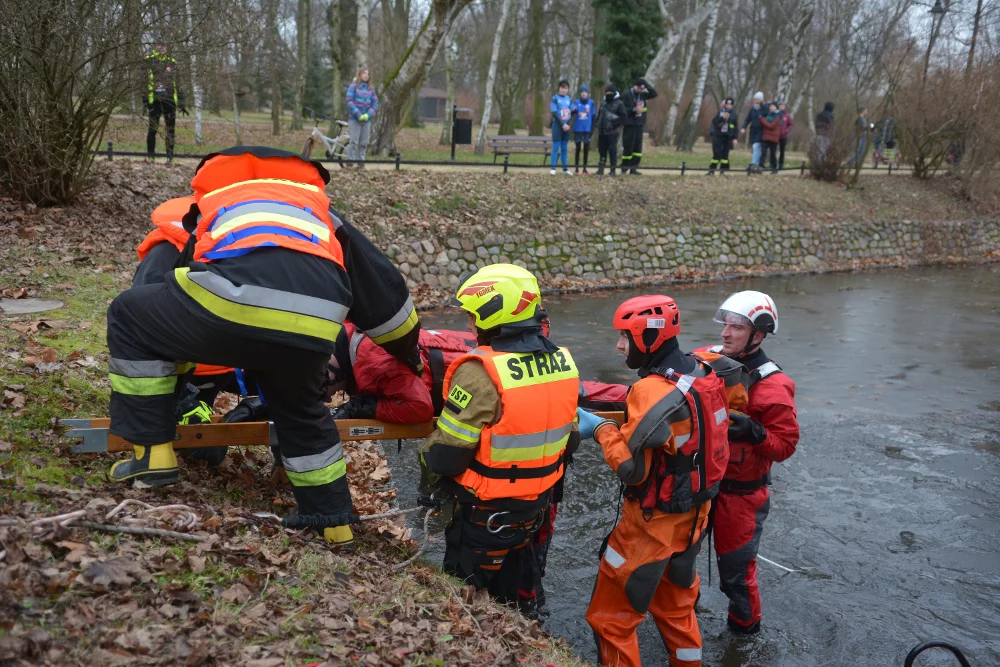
[
  {"x": 184, "y": 110},
  {"x": 358, "y": 407},
  {"x": 250, "y": 409},
  {"x": 363, "y": 118},
  {"x": 589, "y": 423},
  {"x": 744, "y": 429}
]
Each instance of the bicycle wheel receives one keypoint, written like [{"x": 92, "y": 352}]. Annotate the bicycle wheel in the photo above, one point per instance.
[{"x": 308, "y": 148}]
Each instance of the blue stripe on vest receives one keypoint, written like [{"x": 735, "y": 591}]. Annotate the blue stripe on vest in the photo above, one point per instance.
[
  {"x": 255, "y": 230},
  {"x": 238, "y": 252}
]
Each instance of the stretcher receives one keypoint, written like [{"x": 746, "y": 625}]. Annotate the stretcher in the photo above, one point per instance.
[{"x": 97, "y": 438}]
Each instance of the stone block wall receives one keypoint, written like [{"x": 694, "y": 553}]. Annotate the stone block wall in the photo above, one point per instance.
[{"x": 598, "y": 255}]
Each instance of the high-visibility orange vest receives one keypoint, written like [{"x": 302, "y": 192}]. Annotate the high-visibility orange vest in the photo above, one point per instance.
[
  {"x": 521, "y": 456},
  {"x": 169, "y": 228},
  {"x": 249, "y": 202}
]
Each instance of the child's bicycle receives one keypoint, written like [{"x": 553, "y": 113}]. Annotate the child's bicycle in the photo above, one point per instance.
[{"x": 335, "y": 147}]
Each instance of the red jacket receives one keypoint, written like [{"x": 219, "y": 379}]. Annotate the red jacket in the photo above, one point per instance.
[
  {"x": 772, "y": 128},
  {"x": 601, "y": 397},
  {"x": 772, "y": 403},
  {"x": 786, "y": 124},
  {"x": 404, "y": 398}
]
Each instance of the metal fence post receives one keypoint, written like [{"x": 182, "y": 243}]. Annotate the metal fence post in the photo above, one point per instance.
[
  {"x": 506, "y": 161},
  {"x": 889, "y": 164},
  {"x": 397, "y": 160},
  {"x": 454, "y": 112},
  {"x": 110, "y": 152},
  {"x": 802, "y": 169},
  {"x": 684, "y": 165}
]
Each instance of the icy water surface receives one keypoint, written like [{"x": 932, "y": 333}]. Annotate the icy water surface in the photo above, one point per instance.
[{"x": 892, "y": 502}]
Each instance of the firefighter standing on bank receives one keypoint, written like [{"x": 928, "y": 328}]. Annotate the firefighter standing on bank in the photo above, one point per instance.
[
  {"x": 275, "y": 272},
  {"x": 162, "y": 98},
  {"x": 634, "y": 100},
  {"x": 670, "y": 455},
  {"x": 767, "y": 431},
  {"x": 506, "y": 431}
]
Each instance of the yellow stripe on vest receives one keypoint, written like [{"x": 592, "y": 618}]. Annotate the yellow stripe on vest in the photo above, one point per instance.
[
  {"x": 524, "y": 370},
  {"x": 254, "y": 218}
]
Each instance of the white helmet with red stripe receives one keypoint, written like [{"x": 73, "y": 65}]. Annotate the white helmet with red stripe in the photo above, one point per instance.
[{"x": 754, "y": 308}]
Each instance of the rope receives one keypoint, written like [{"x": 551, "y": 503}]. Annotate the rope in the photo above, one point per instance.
[
  {"x": 332, "y": 520},
  {"x": 423, "y": 545}
]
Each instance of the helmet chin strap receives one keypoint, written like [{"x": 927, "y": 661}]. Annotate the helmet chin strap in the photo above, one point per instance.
[{"x": 750, "y": 346}]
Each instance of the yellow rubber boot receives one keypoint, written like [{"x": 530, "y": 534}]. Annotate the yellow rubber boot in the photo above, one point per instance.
[
  {"x": 151, "y": 466},
  {"x": 339, "y": 536}
]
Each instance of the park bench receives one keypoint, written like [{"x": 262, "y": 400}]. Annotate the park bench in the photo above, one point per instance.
[{"x": 508, "y": 144}]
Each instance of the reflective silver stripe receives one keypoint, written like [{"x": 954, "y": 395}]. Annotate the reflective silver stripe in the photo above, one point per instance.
[
  {"x": 335, "y": 219},
  {"x": 685, "y": 382},
  {"x": 142, "y": 369},
  {"x": 314, "y": 461},
  {"x": 394, "y": 322},
  {"x": 286, "y": 210},
  {"x": 538, "y": 439},
  {"x": 680, "y": 440},
  {"x": 265, "y": 297},
  {"x": 615, "y": 559},
  {"x": 177, "y": 223},
  {"x": 688, "y": 654},
  {"x": 766, "y": 369},
  {"x": 716, "y": 348},
  {"x": 356, "y": 341},
  {"x": 721, "y": 415}
]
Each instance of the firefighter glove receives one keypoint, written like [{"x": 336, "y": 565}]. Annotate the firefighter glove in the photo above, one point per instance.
[
  {"x": 744, "y": 429},
  {"x": 358, "y": 407},
  {"x": 589, "y": 423},
  {"x": 250, "y": 409}
]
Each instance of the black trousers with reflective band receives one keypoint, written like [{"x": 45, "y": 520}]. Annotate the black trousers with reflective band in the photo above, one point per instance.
[
  {"x": 169, "y": 113},
  {"x": 632, "y": 146},
  {"x": 149, "y": 324}
]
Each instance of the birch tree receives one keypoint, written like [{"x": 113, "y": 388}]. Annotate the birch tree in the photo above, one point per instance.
[
  {"x": 668, "y": 129},
  {"x": 703, "y": 67},
  {"x": 491, "y": 77},
  {"x": 361, "y": 49},
  {"x": 336, "y": 60},
  {"x": 196, "y": 91},
  {"x": 803, "y": 18},
  {"x": 673, "y": 34}
]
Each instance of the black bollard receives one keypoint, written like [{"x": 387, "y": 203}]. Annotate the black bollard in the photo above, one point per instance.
[
  {"x": 111, "y": 155},
  {"x": 802, "y": 169},
  {"x": 397, "y": 160},
  {"x": 684, "y": 165},
  {"x": 506, "y": 161}
]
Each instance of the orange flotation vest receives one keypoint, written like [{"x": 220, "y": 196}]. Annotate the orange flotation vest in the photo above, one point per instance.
[
  {"x": 521, "y": 456},
  {"x": 169, "y": 228},
  {"x": 249, "y": 202}
]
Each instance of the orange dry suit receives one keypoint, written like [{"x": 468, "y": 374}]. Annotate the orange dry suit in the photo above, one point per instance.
[{"x": 671, "y": 454}]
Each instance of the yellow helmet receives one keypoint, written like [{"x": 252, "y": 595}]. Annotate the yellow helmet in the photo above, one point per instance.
[{"x": 500, "y": 294}]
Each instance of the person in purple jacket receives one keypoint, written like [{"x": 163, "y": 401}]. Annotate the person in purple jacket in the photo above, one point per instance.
[
  {"x": 562, "y": 110},
  {"x": 583, "y": 126},
  {"x": 362, "y": 104}
]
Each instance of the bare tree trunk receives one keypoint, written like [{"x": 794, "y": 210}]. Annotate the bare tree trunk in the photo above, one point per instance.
[
  {"x": 273, "y": 40},
  {"x": 668, "y": 129},
  {"x": 803, "y": 19},
  {"x": 703, "y": 67},
  {"x": 674, "y": 33},
  {"x": 577, "y": 75},
  {"x": 199, "y": 137},
  {"x": 808, "y": 88},
  {"x": 586, "y": 58},
  {"x": 302, "y": 25},
  {"x": 361, "y": 52},
  {"x": 236, "y": 108},
  {"x": 972, "y": 42},
  {"x": 336, "y": 61},
  {"x": 598, "y": 70},
  {"x": 537, "y": 66},
  {"x": 491, "y": 77},
  {"x": 410, "y": 72},
  {"x": 449, "y": 72}
]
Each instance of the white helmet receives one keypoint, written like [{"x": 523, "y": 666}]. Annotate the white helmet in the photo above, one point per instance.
[{"x": 754, "y": 308}]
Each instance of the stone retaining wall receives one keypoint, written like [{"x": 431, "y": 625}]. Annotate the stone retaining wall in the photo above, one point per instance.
[{"x": 601, "y": 255}]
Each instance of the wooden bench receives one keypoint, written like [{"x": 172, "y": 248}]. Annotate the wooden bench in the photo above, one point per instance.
[{"x": 505, "y": 145}]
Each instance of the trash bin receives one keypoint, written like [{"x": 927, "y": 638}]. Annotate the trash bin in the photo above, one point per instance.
[{"x": 463, "y": 131}]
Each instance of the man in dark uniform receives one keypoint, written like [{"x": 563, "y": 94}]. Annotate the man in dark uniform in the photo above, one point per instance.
[{"x": 163, "y": 98}]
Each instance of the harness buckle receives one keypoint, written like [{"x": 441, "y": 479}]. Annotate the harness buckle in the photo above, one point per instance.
[{"x": 489, "y": 523}]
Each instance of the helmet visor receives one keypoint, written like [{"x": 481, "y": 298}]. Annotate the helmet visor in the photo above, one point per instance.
[{"x": 723, "y": 316}]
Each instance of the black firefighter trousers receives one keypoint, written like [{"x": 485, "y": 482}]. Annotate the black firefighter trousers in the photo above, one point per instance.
[
  {"x": 151, "y": 335},
  {"x": 632, "y": 147}
]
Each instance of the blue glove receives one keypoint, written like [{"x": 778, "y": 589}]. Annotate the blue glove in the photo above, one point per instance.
[{"x": 588, "y": 423}]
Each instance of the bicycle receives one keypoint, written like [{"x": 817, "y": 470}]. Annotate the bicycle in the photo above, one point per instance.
[{"x": 335, "y": 147}]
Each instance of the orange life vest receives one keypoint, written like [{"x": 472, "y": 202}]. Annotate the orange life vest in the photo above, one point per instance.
[
  {"x": 249, "y": 202},
  {"x": 678, "y": 483},
  {"x": 169, "y": 228},
  {"x": 521, "y": 456}
]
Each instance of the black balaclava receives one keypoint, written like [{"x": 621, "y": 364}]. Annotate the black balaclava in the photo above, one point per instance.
[
  {"x": 523, "y": 336},
  {"x": 668, "y": 355}
]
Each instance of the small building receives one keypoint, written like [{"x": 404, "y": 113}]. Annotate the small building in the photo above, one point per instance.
[{"x": 433, "y": 104}]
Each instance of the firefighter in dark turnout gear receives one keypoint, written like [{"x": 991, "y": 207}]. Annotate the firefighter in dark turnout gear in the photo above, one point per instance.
[
  {"x": 506, "y": 431},
  {"x": 162, "y": 98},
  {"x": 762, "y": 433},
  {"x": 724, "y": 135},
  {"x": 275, "y": 272},
  {"x": 634, "y": 100},
  {"x": 671, "y": 454}
]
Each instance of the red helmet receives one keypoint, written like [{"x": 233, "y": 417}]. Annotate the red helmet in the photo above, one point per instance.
[{"x": 655, "y": 312}]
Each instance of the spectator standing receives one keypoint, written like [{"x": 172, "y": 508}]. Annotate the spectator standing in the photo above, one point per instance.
[
  {"x": 561, "y": 107},
  {"x": 861, "y": 128},
  {"x": 771, "y": 125},
  {"x": 611, "y": 117},
  {"x": 362, "y": 105},
  {"x": 824, "y": 125},
  {"x": 723, "y": 137},
  {"x": 756, "y": 131},
  {"x": 163, "y": 98},
  {"x": 634, "y": 100},
  {"x": 583, "y": 126},
  {"x": 786, "y": 128}
]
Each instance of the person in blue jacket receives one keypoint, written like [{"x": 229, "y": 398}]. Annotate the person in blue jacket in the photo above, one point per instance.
[
  {"x": 562, "y": 110},
  {"x": 583, "y": 126}
]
